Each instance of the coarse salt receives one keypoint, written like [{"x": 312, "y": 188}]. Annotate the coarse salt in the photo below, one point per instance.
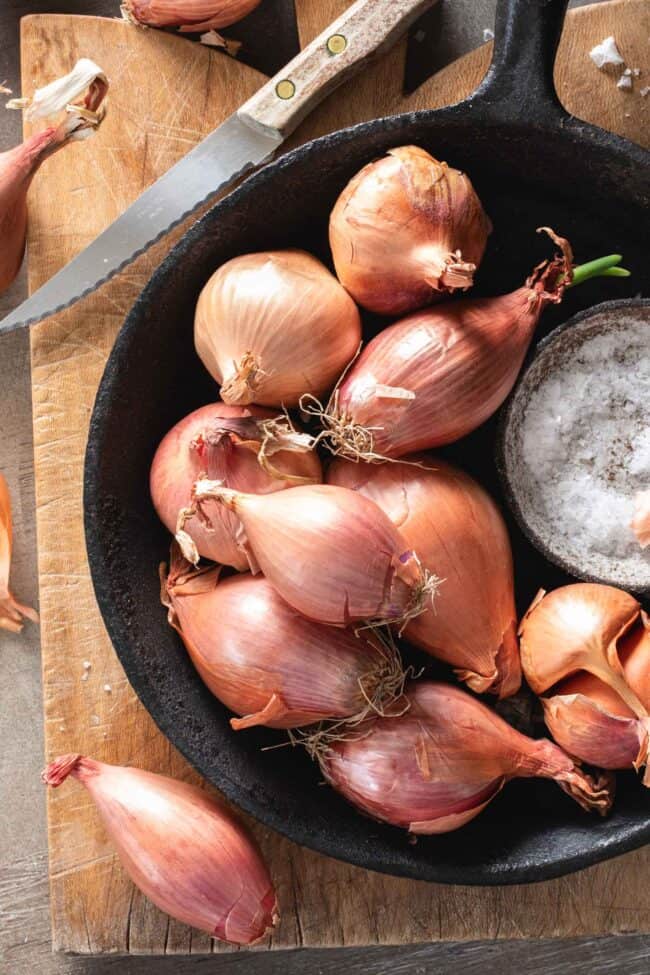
[{"x": 585, "y": 443}]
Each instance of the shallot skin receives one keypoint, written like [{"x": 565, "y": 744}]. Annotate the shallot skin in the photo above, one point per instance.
[
  {"x": 184, "y": 851},
  {"x": 331, "y": 554},
  {"x": 458, "y": 531},
  {"x": 407, "y": 229},
  {"x": 193, "y": 15},
  {"x": 207, "y": 442},
  {"x": 265, "y": 661},
  {"x": 272, "y": 326},
  {"x": 437, "y": 766}
]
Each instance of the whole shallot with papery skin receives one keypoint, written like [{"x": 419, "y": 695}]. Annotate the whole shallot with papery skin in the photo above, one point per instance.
[
  {"x": 641, "y": 521},
  {"x": 271, "y": 665},
  {"x": 11, "y": 611},
  {"x": 437, "y": 766},
  {"x": 184, "y": 850},
  {"x": 436, "y": 375},
  {"x": 272, "y": 326},
  {"x": 331, "y": 554},
  {"x": 407, "y": 229},
  {"x": 188, "y": 15},
  {"x": 456, "y": 528},
  {"x": 233, "y": 444},
  {"x": 586, "y": 648}
]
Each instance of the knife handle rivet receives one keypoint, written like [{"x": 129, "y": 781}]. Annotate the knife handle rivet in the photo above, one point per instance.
[
  {"x": 337, "y": 43},
  {"x": 285, "y": 89}
]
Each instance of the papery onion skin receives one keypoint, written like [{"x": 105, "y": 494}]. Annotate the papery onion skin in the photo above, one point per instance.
[
  {"x": 193, "y": 15},
  {"x": 177, "y": 464},
  {"x": 437, "y": 766},
  {"x": 269, "y": 664},
  {"x": 579, "y": 628},
  {"x": 458, "y": 361},
  {"x": 407, "y": 229},
  {"x": 272, "y": 326},
  {"x": 184, "y": 851},
  {"x": 458, "y": 531},
  {"x": 12, "y": 612},
  {"x": 331, "y": 554}
]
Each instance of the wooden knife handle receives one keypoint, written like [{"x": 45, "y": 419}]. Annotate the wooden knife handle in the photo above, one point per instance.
[{"x": 365, "y": 30}]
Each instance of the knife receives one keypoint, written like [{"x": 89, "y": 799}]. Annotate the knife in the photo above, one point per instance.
[{"x": 246, "y": 140}]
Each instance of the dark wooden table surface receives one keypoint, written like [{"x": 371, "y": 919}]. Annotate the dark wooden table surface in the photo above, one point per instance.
[{"x": 24, "y": 920}]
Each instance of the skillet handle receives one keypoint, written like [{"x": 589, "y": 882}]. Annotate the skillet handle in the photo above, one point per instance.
[
  {"x": 364, "y": 31},
  {"x": 519, "y": 84}
]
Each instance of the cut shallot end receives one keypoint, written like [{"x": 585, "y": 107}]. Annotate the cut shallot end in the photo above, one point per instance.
[
  {"x": 272, "y": 326},
  {"x": 406, "y": 230},
  {"x": 184, "y": 850},
  {"x": 459, "y": 361},
  {"x": 579, "y": 628},
  {"x": 269, "y": 664},
  {"x": 437, "y": 766},
  {"x": 237, "y": 446},
  {"x": 12, "y": 612},
  {"x": 189, "y": 15},
  {"x": 641, "y": 520},
  {"x": 458, "y": 532},
  {"x": 331, "y": 554}
]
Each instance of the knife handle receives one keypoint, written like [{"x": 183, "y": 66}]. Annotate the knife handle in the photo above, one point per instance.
[{"x": 364, "y": 31}]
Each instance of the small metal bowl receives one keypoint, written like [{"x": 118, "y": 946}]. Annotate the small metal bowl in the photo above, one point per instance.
[{"x": 522, "y": 489}]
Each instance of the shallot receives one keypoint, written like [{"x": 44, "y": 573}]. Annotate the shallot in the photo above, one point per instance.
[
  {"x": 11, "y": 611},
  {"x": 331, "y": 553},
  {"x": 184, "y": 850},
  {"x": 407, "y": 229},
  {"x": 641, "y": 520},
  {"x": 268, "y": 663},
  {"x": 236, "y": 445},
  {"x": 273, "y": 326},
  {"x": 436, "y": 375},
  {"x": 586, "y": 648},
  {"x": 436, "y": 767},
  {"x": 189, "y": 15},
  {"x": 458, "y": 530}
]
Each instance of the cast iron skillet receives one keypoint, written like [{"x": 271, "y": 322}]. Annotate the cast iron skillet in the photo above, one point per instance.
[{"x": 532, "y": 164}]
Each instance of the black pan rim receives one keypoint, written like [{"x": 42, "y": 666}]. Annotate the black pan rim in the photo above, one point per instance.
[{"x": 584, "y": 855}]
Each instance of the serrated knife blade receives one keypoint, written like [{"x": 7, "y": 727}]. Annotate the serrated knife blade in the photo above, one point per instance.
[{"x": 222, "y": 157}]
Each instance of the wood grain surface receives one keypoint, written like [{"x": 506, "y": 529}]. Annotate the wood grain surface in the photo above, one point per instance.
[{"x": 164, "y": 98}]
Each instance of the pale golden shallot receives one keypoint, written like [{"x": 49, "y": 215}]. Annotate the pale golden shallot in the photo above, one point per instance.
[
  {"x": 641, "y": 520},
  {"x": 331, "y": 553},
  {"x": 185, "y": 851},
  {"x": 273, "y": 326},
  {"x": 233, "y": 444},
  {"x": 269, "y": 664},
  {"x": 437, "y": 374},
  {"x": 586, "y": 647},
  {"x": 458, "y": 532},
  {"x": 11, "y": 611},
  {"x": 189, "y": 15},
  {"x": 407, "y": 229},
  {"x": 437, "y": 766}
]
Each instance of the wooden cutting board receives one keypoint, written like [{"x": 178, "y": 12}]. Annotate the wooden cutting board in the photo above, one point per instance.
[{"x": 165, "y": 95}]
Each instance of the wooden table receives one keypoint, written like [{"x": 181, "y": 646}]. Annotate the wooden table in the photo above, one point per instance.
[{"x": 24, "y": 924}]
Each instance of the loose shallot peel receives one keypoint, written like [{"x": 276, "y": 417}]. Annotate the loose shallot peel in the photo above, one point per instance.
[
  {"x": 439, "y": 373},
  {"x": 587, "y": 648},
  {"x": 273, "y": 326},
  {"x": 244, "y": 448},
  {"x": 269, "y": 664},
  {"x": 406, "y": 230},
  {"x": 438, "y": 765},
  {"x": 11, "y": 611},
  {"x": 184, "y": 850},
  {"x": 331, "y": 553},
  {"x": 458, "y": 530}
]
